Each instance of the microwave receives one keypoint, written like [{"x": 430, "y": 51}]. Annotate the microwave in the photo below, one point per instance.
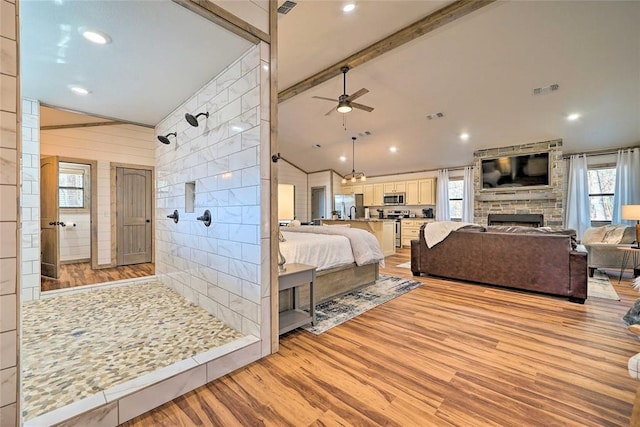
[{"x": 390, "y": 199}]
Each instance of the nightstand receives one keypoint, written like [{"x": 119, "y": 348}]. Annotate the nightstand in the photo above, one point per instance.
[{"x": 297, "y": 275}]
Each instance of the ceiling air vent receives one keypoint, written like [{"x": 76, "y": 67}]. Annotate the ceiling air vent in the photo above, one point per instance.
[
  {"x": 286, "y": 7},
  {"x": 365, "y": 133},
  {"x": 435, "y": 116},
  {"x": 546, "y": 89}
]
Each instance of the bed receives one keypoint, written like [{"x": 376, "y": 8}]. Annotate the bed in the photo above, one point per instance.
[{"x": 345, "y": 259}]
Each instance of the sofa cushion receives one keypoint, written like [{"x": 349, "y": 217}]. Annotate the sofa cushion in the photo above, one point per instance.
[{"x": 534, "y": 230}]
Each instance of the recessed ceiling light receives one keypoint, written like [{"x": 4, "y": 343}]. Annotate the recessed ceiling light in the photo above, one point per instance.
[
  {"x": 573, "y": 117},
  {"x": 79, "y": 90},
  {"x": 343, "y": 159},
  {"x": 464, "y": 136},
  {"x": 97, "y": 37},
  {"x": 348, "y": 7},
  {"x": 393, "y": 149}
]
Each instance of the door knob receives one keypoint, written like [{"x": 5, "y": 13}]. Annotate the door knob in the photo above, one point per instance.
[{"x": 147, "y": 221}]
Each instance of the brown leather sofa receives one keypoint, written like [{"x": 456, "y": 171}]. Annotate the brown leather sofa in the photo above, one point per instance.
[{"x": 515, "y": 257}]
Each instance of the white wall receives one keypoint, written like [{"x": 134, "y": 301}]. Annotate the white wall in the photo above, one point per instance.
[
  {"x": 224, "y": 268},
  {"x": 289, "y": 174},
  {"x": 128, "y": 144}
]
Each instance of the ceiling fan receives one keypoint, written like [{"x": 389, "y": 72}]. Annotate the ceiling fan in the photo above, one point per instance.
[{"x": 345, "y": 101}]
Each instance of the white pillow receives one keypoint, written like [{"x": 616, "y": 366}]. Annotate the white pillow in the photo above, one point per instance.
[{"x": 294, "y": 223}]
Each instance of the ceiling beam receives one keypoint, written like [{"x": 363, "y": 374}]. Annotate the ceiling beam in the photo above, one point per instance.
[
  {"x": 80, "y": 125},
  {"x": 222, "y": 17},
  {"x": 435, "y": 20}
]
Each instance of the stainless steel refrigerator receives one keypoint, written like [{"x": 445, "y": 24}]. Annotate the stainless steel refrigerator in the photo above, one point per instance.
[{"x": 349, "y": 204}]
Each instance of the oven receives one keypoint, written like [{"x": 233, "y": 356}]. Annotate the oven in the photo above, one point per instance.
[{"x": 398, "y": 215}]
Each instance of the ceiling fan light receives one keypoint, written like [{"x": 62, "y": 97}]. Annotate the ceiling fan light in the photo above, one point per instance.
[{"x": 344, "y": 107}]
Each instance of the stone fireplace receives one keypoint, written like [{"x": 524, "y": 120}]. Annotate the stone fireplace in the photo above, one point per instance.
[{"x": 547, "y": 201}]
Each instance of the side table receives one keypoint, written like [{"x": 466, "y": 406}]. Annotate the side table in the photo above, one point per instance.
[
  {"x": 294, "y": 276},
  {"x": 629, "y": 251}
]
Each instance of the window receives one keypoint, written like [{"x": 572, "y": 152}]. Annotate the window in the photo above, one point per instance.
[
  {"x": 455, "y": 199},
  {"x": 71, "y": 187},
  {"x": 602, "y": 182}
]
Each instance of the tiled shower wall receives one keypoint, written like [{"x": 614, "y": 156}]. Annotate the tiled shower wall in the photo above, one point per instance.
[
  {"x": 224, "y": 268},
  {"x": 9, "y": 223},
  {"x": 30, "y": 201},
  {"x": 547, "y": 201}
]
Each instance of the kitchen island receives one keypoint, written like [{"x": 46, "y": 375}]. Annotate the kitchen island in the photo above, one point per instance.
[{"x": 383, "y": 229}]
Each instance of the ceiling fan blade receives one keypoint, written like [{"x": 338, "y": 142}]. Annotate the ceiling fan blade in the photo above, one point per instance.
[
  {"x": 331, "y": 111},
  {"x": 361, "y": 107},
  {"x": 358, "y": 94},
  {"x": 326, "y": 99}
]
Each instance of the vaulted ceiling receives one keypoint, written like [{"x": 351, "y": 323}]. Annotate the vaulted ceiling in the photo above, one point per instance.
[{"x": 479, "y": 71}]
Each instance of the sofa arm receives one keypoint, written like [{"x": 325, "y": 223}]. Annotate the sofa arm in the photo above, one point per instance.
[
  {"x": 415, "y": 257},
  {"x": 578, "y": 275}
]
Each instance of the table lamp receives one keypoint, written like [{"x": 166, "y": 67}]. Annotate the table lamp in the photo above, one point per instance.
[{"x": 632, "y": 212}]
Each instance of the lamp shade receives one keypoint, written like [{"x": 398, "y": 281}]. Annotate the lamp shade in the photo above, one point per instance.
[{"x": 631, "y": 212}]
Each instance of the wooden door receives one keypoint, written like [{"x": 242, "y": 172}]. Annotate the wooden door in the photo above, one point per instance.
[
  {"x": 133, "y": 216},
  {"x": 49, "y": 235},
  {"x": 317, "y": 203}
]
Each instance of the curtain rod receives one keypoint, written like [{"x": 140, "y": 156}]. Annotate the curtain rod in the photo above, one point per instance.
[{"x": 601, "y": 152}]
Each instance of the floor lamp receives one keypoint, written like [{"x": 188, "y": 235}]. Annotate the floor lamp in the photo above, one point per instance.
[{"x": 632, "y": 212}]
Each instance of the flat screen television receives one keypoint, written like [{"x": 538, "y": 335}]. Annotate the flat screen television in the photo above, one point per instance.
[{"x": 512, "y": 172}]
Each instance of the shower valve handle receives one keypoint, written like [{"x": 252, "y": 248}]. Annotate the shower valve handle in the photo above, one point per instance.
[
  {"x": 206, "y": 218},
  {"x": 174, "y": 216}
]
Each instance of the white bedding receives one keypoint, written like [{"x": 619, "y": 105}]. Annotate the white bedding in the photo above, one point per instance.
[
  {"x": 362, "y": 247},
  {"x": 323, "y": 251},
  {"x": 436, "y": 232}
]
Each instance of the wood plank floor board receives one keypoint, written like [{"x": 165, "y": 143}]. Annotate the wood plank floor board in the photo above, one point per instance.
[
  {"x": 445, "y": 354},
  {"x": 79, "y": 274}
]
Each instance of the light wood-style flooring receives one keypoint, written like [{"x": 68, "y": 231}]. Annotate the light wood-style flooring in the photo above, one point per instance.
[
  {"x": 444, "y": 354},
  {"x": 78, "y": 274}
]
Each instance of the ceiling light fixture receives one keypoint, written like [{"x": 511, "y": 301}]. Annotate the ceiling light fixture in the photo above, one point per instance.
[
  {"x": 343, "y": 159},
  {"x": 79, "y": 90},
  {"x": 464, "y": 136},
  {"x": 97, "y": 37},
  {"x": 349, "y": 7},
  {"x": 344, "y": 106},
  {"x": 393, "y": 149},
  {"x": 573, "y": 117},
  {"x": 353, "y": 176}
]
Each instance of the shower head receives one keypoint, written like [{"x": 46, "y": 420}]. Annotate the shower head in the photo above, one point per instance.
[
  {"x": 165, "y": 138},
  {"x": 193, "y": 120}
]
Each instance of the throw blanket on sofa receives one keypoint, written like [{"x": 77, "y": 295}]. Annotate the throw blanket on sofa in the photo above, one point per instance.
[
  {"x": 364, "y": 245},
  {"x": 436, "y": 232}
]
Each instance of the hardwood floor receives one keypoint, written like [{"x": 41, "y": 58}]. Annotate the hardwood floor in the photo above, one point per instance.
[
  {"x": 78, "y": 274},
  {"x": 446, "y": 353}
]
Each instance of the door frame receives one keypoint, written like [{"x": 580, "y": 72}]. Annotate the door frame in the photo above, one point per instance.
[
  {"x": 93, "y": 206},
  {"x": 114, "y": 224},
  {"x": 324, "y": 202}
]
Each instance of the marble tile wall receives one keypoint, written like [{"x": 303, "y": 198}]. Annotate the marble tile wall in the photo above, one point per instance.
[
  {"x": 30, "y": 201},
  {"x": 9, "y": 221},
  {"x": 222, "y": 267}
]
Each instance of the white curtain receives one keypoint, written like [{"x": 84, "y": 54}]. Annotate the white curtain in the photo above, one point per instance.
[
  {"x": 442, "y": 196},
  {"x": 467, "y": 195},
  {"x": 627, "y": 190},
  {"x": 577, "y": 214}
]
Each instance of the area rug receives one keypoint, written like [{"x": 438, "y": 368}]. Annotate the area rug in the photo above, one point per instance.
[
  {"x": 598, "y": 286},
  {"x": 337, "y": 311}
]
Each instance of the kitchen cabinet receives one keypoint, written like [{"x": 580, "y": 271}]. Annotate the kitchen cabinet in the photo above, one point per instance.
[
  {"x": 395, "y": 187},
  {"x": 426, "y": 191},
  {"x": 410, "y": 229},
  {"x": 412, "y": 196},
  {"x": 378, "y": 193},
  {"x": 368, "y": 195},
  {"x": 357, "y": 188}
]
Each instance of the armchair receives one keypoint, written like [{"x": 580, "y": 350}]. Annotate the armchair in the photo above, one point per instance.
[{"x": 602, "y": 245}]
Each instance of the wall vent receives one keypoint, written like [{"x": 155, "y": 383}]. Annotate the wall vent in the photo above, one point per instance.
[
  {"x": 435, "y": 116},
  {"x": 286, "y": 7}
]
